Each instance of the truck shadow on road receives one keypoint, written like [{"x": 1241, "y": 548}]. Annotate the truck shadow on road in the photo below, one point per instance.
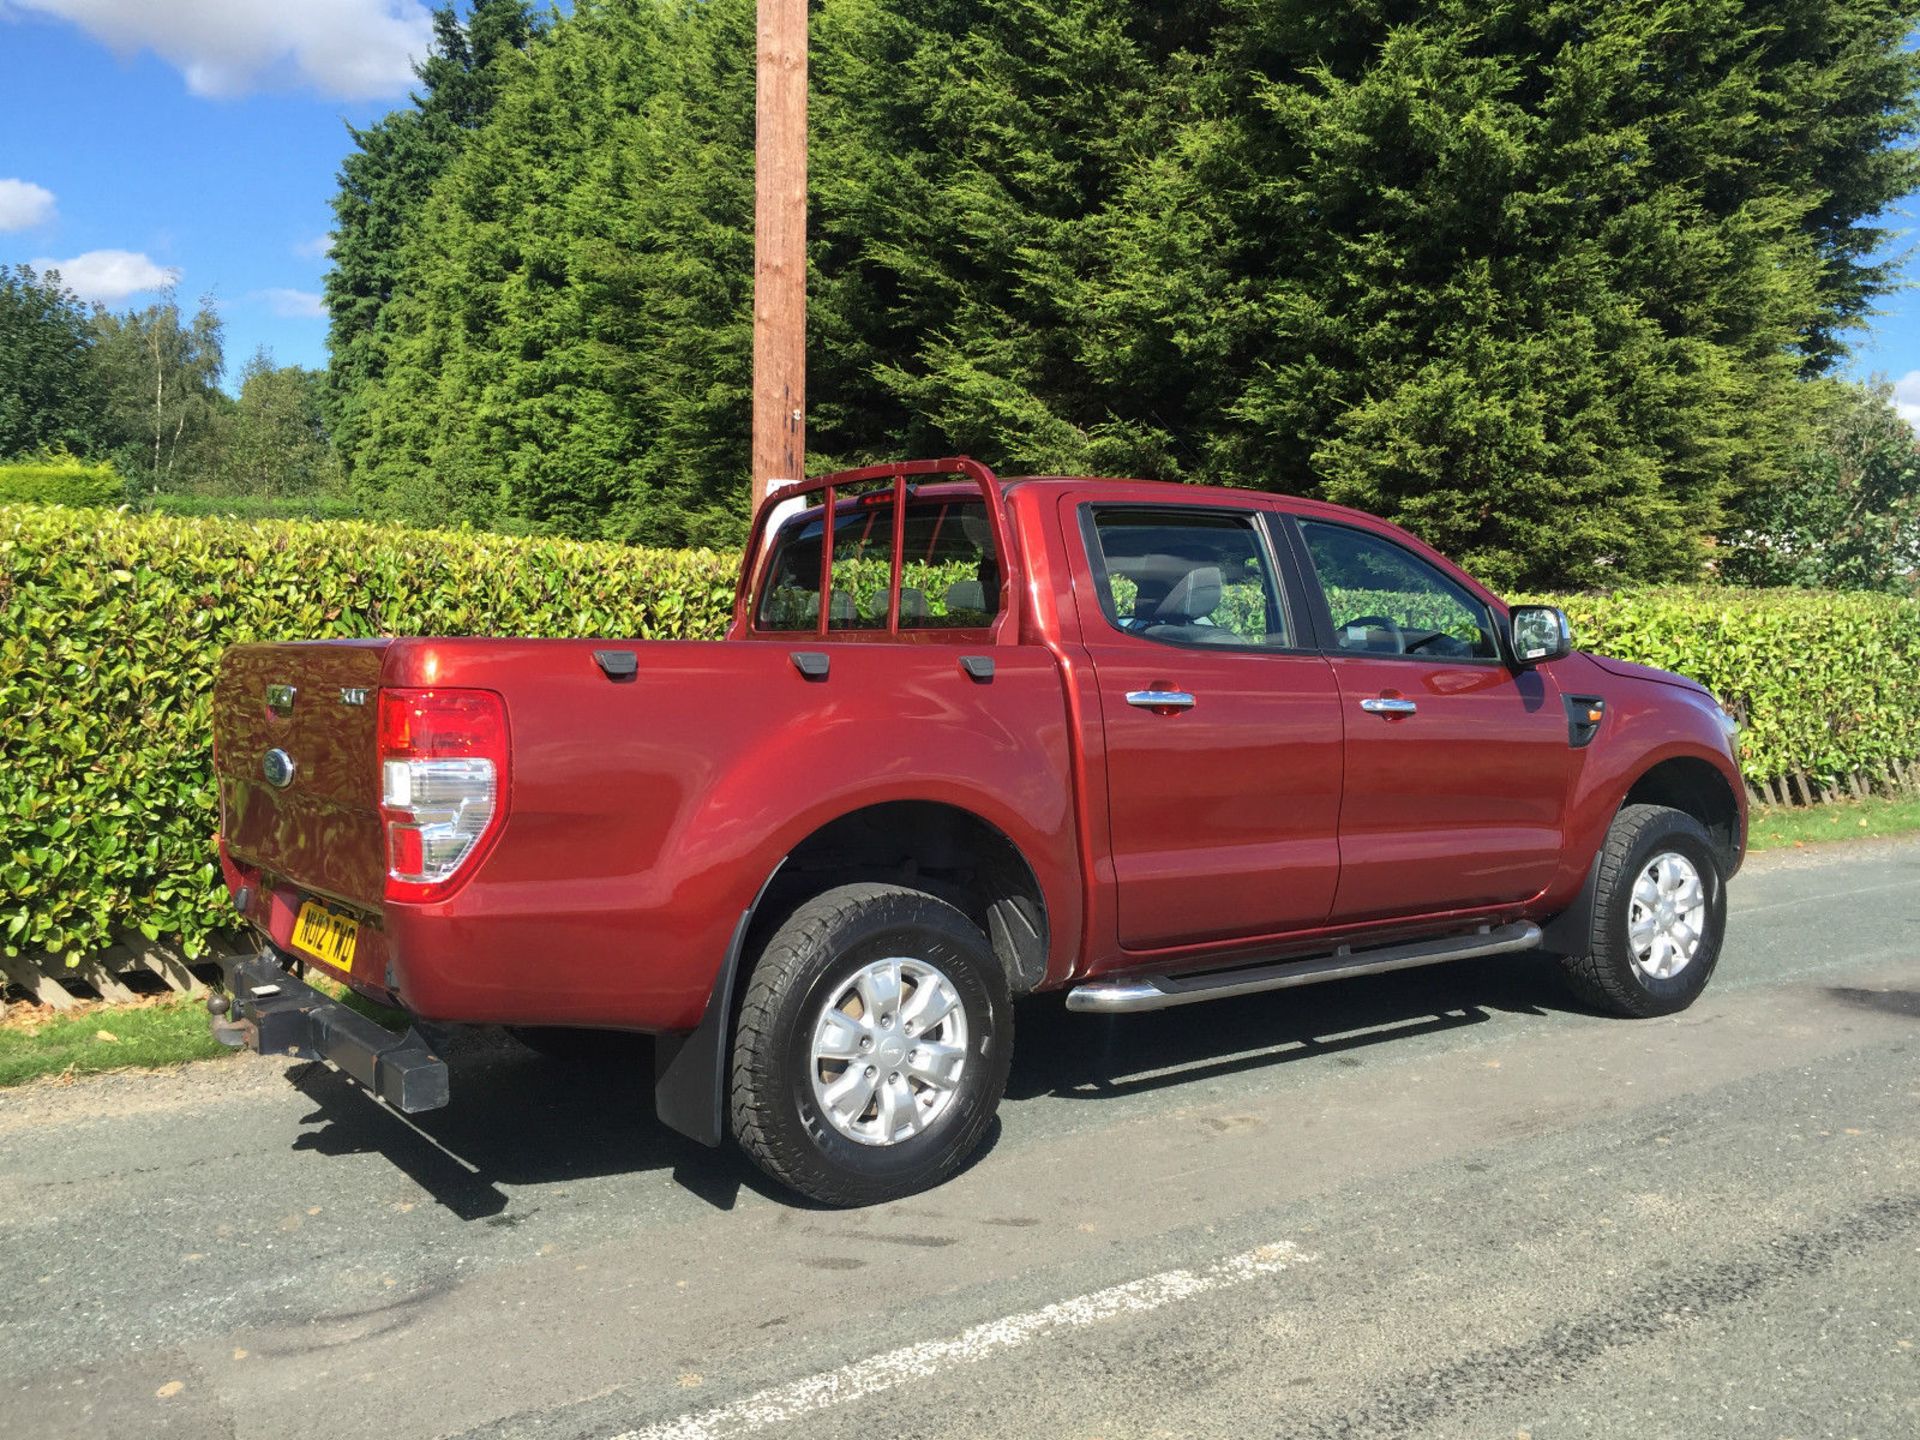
[
  {"x": 518, "y": 1120},
  {"x": 1094, "y": 1057}
]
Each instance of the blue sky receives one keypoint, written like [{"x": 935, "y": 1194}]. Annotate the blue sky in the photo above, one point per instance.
[{"x": 199, "y": 138}]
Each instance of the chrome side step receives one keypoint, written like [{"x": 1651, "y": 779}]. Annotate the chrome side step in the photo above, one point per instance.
[{"x": 1158, "y": 992}]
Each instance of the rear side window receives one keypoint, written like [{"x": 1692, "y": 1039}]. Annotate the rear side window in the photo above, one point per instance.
[
  {"x": 949, "y": 573},
  {"x": 1188, "y": 577},
  {"x": 1385, "y": 600}
]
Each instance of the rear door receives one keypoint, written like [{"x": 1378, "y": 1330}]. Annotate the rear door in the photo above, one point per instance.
[
  {"x": 1222, "y": 725},
  {"x": 1456, "y": 764}
]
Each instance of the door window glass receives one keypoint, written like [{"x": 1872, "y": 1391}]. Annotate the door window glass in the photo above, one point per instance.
[
  {"x": 1385, "y": 600},
  {"x": 1188, "y": 577}
]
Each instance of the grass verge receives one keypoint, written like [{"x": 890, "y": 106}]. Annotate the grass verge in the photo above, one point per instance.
[
  {"x": 1786, "y": 827},
  {"x": 164, "y": 1031},
  {"x": 396, "y": 1020}
]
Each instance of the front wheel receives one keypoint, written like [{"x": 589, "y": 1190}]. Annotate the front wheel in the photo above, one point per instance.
[
  {"x": 1659, "y": 915},
  {"x": 872, "y": 1050}
]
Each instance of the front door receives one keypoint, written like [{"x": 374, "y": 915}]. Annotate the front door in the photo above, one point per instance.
[
  {"x": 1222, "y": 727},
  {"x": 1456, "y": 764}
]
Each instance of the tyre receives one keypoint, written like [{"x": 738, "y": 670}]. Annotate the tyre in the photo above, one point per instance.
[
  {"x": 1659, "y": 915},
  {"x": 872, "y": 1048},
  {"x": 578, "y": 1047}
]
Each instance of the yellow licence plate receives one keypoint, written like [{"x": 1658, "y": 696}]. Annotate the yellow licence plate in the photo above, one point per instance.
[{"x": 330, "y": 937}]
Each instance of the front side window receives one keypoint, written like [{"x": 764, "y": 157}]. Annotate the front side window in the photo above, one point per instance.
[
  {"x": 1385, "y": 600},
  {"x": 1188, "y": 577}
]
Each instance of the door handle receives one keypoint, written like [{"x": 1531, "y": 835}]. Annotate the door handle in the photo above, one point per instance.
[
  {"x": 1160, "y": 699},
  {"x": 1382, "y": 705}
]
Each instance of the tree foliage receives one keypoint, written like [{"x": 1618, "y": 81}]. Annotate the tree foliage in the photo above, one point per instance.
[
  {"x": 1846, "y": 513},
  {"x": 160, "y": 381},
  {"x": 1545, "y": 281},
  {"x": 49, "y": 392},
  {"x": 572, "y": 348},
  {"x": 384, "y": 181},
  {"x": 273, "y": 440}
]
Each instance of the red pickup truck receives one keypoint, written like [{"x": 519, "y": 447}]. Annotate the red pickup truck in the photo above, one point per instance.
[{"x": 966, "y": 739}]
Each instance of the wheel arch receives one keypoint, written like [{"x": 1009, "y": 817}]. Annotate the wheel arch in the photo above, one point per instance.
[
  {"x": 1681, "y": 781},
  {"x": 918, "y": 843},
  {"x": 1694, "y": 787},
  {"x": 945, "y": 849}
]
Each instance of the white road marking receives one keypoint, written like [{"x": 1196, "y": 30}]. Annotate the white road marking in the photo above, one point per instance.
[{"x": 782, "y": 1403}]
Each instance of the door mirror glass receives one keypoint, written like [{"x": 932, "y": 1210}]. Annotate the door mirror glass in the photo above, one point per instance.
[{"x": 1540, "y": 633}]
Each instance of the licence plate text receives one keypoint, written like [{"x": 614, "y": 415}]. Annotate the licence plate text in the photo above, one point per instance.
[{"x": 325, "y": 935}]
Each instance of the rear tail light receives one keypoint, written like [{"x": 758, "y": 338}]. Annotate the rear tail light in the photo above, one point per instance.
[{"x": 443, "y": 786}]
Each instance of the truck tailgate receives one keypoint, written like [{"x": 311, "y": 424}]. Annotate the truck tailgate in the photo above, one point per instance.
[{"x": 313, "y": 707}]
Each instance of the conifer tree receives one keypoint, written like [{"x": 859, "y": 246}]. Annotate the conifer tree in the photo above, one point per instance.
[
  {"x": 1545, "y": 281},
  {"x": 385, "y": 179}
]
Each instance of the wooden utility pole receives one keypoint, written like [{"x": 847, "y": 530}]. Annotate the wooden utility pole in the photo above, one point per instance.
[{"x": 780, "y": 247}]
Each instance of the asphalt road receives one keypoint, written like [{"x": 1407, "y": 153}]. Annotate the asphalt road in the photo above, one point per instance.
[{"x": 1439, "y": 1203}]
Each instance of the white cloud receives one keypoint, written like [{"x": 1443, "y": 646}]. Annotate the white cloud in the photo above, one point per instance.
[
  {"x": 109, "y": 275},
  {"x": 319, "y": 247},
  {"x": 293, "y": 304},
  {"x": 1906, "y": 397},
  {"x": 348, "y": 49},
  {"x": 24, "y": 204}
]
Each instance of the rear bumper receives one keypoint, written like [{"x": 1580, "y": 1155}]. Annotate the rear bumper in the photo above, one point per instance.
[{"x": 272, "y": 1012}]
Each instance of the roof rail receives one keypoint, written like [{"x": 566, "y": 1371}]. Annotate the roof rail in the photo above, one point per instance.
[{"x": 897, "y": 474}]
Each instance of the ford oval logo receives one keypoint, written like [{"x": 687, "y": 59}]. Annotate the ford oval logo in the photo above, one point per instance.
[{"x": 277, "y": 766}]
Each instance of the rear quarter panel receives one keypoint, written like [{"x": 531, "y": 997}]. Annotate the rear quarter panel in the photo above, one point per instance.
[{"x": 645, "y": 815}]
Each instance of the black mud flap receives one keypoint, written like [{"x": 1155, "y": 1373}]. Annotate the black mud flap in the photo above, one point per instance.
[
  {"x": 1571, "y": 931},
  {"x": 690, "y": 1071}
]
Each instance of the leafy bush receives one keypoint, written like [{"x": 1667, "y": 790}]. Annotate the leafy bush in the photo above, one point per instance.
[
  {"x": 60, "y": 480},
  {"x": 110, "y": 628},
  {"x": 254, "y": 507},
  {"x": 111, "y": 625},
  {"x": 1821, "y": 681}
]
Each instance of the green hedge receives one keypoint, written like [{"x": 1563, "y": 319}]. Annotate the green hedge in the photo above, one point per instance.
[
  {"x": 59, "y": 480},
  {"x": 254, "y": 507},
  {"x": 110, "y": 627},
  {"x": 1822, "y": 682},
  {"x": 111, "y": 623}
]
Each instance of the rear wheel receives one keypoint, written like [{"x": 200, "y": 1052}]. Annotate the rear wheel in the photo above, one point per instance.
[
  {"x": 1659, "y": 914},
  {"x": 872, "y": 1050}
]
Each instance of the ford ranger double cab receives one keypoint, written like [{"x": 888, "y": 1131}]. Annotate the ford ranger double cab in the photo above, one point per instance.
[{"x": 966, "y": 739}]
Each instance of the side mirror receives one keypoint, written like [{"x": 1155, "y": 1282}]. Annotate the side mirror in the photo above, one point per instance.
[{"x": 1539, "y": 633}]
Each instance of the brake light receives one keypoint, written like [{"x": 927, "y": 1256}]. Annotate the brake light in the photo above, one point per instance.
[{"x": 443, "y": 786}]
